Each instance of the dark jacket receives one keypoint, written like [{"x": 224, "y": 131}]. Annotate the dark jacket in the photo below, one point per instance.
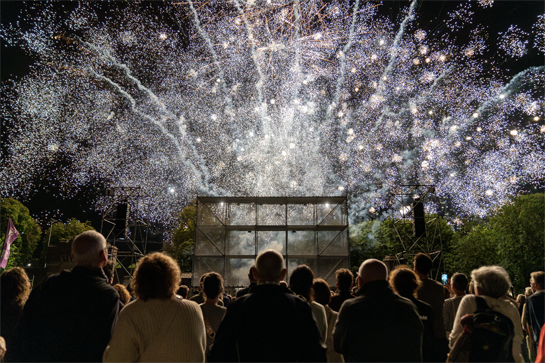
[
  {"x": 244, "y": 291},
  {"x": 429, "y": 351},
  {"x": 68, "y": 318},
  {"x": 378, "y": 326},
  {"x": 269, "y": 324},
  {"x": 337, "y": 300}
]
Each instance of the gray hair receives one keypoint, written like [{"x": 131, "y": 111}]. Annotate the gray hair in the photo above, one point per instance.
[
  {"x": 492, "y": 281},
  {"x": 87, "y": 247}
]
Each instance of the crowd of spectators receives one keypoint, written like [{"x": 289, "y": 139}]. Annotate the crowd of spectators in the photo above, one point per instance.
[{"x": 401, "y": 315}]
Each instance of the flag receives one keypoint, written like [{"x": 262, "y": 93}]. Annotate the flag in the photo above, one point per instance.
[{"x": 11, "y": 235}]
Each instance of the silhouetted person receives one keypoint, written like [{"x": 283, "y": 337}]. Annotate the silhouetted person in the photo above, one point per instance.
[
  {"x": 433, "y": 293},
  {"x": 212, "y": 313},
  {"x": 253, "y": 282},
  {"x": 345, "y": 281},
  {"x": 405, "y": 283},
  {"x": 269, "y": 323},
  {"x": 378, "y": 325},
  {"x": 535, "y": 309},
  {"x": 450, "y": 306},
  {"x": 70, "y": 317},
  {"x": 15, "y": 287}
]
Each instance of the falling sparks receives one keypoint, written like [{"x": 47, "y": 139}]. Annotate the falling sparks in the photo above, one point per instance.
[{"x": 273, "y": 99}]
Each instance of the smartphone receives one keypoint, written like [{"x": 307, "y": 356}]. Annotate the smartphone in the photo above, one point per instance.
[{"x": 444, "y": 278}]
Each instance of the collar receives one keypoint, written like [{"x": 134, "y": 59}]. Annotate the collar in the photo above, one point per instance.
[
  {"x": 89, "y": 271},
  {"x": 374, "y": 287}
]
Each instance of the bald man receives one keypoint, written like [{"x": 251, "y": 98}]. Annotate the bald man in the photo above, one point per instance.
[
  {"x": 70, "y": 317},
  {"x": 378, "y": 325},
  {"x": 270, "y": 323}
]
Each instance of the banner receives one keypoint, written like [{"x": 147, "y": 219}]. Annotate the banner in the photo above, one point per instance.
[{"x": 11, "y": 235}]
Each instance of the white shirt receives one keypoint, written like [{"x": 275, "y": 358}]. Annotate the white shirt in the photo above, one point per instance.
[{"x": 468, "y": 305}]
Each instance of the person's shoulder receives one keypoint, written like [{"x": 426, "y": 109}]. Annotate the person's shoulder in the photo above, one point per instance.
[
  {"x": 536, "y": 297},
  {"x": 318, "y": 306}
]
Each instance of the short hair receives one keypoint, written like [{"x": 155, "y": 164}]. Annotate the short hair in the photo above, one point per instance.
[
  {"x": 459, "y": 281},
  {"x": 423, "y": 263},
  {"x": 528, "y": 291},
  {"x": 404, "y": 281},
  {"x": 109, "y": 270},
  {"x": 492, "y": 281},
  {"x": 157, "y": 276},
  {"x": 87, "y": 247},
  {"x": 301, "y": 281},
  {"x": 124, "y": 295},
  {"x": 251, "y": 274},
  {"x": 183, "y": 291},
  {"x": 322, "y": 293},
  {"x": 539, "y": 278},
  {"x": 15, "y": 286},
  {"x": 212, "y": 285},
  {"x": 269, "y": 265},
  {"x": 345, "y": 279},
  {"x": 373, "y": 270}
]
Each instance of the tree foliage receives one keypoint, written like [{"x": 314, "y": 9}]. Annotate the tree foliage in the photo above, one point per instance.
[
  {"x": 519, "y": 230},
  {"x": 66, "y": 231},
  {"x": 375, "y": 239},
  {"x": 183, "y": 234},
  {"x": 29, "y": 231}
]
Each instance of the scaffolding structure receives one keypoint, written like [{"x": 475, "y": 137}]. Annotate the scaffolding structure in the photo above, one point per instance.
[
  {"x": 410, "y": 198},
  {"x": 123, "y": 229},
  {"x": 231, "y": 231}
]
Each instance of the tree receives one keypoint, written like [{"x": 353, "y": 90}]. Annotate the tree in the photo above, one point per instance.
[
  {"x": 478, "y": 247},
  {"x": 183, "y": 234},
  {"x": 29, "y": 231},
  {"x": 520, "y": 228},
  {"x": 374, "y": 239},
  {"x": 66, "y": 231}
]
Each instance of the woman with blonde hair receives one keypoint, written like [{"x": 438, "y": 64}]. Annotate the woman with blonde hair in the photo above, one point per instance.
[{"x": 158, "y": 326}]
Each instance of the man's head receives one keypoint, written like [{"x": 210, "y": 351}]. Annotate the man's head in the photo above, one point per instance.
[
  {"x": 537, "y": 280},
  {"x": 345, "y": 279},
  {"x": 269, "y": 266},
  {"x": 89, "y": 249},
  {"x": 251, "y": 275},
  {"x": 422, "y": 263},
  {"x": 372, "y": 270}
]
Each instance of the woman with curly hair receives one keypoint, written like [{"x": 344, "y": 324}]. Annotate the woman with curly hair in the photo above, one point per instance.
[
  {"x": 124, "y": 294},
  {"x": 158, "y": 326},
  {"x": 15, "y": 287}
]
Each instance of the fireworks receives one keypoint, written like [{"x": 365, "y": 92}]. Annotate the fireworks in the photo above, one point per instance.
[{"x": 273, "y": 98}]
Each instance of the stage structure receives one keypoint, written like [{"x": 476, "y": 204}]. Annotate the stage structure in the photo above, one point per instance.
[
  {"x": 426, "y": 235},
  {"x": 126, "y": 233},
  {"x": 231, "y": 231}
]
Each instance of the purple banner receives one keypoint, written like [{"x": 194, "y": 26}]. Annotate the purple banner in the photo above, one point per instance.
[{"x": 11, "y": 235}]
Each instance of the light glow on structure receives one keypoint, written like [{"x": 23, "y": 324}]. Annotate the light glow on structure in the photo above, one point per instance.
[{"x": 273, "y": 99}]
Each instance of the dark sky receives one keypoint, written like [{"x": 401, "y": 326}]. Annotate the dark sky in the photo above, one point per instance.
[{"x": 431, "y": 14}]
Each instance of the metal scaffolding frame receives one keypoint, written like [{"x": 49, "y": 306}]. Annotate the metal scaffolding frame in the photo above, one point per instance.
[
  {"x": 127, "y": 236},
  {"x": 231, "y": 231},
  {"x": 408, "y": 196}
]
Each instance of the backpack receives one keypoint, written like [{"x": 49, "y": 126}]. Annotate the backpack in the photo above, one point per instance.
[{"x": 488, "y": 339}]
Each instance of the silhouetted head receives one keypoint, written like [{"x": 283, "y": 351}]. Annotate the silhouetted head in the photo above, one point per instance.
[
  {"x": 89, "y": 249},
  {"x": 372, "y": 270},
  {"x": 269, "y": 266}
]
